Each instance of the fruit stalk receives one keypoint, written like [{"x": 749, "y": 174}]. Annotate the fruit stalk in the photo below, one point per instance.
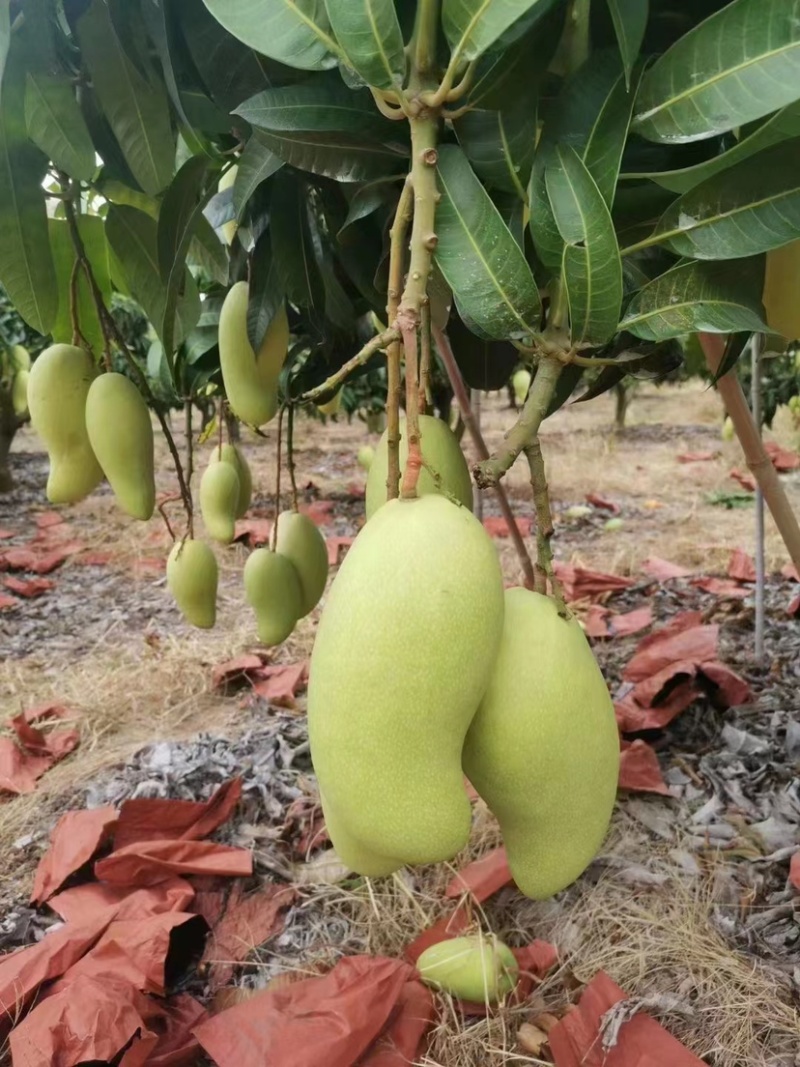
[
  {"x": 757, "y": 460},
  {"x": 544, "y": 526},
  {"x": 425, "y": 359},
  {"x": 471, "y": 423},
  {"x": 274, "y": 532},
  {"x": 397, "y": 236},
  {"x": 489, "y": 471},
  {"x": 290, "y": 455}
]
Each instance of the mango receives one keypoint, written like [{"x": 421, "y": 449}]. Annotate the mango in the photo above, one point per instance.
[
  {"x": 366, "y": 454},
  {"x": 230, "y": 227},
  {"x": 57, "y": 389},
  {"x": 521, "y": 383},
  {"x": 19, "y": 392},
  {"x": 298, "y": 538},
  {"x": 121, "y": 436},
  {"x": 219, "y": 501},
  {"x": 479, "y": 968},
  {"x": 273, "y": 591},
  {"x": 351, "y": 852},
  {"x": 20, "y": 358},
  {"x": 782, "y": 290},
  {"x": 233, "y": 455},
  {"x": 332, "y": 406},
  {"x": 442, "y": 453},
  {"x": 192, "y": 579},
  {"x": 405, "y": 647},
  {"x": 250, "y": 379},
  {"x": 727, "y": 433},
  {"x": 543, "y": 748}
]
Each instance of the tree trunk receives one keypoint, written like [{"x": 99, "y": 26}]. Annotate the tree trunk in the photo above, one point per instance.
[{"x": 9, "y": 424}]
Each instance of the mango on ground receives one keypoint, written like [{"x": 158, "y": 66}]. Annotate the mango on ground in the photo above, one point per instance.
[
  {"x": 192, "y": 579},
  {"x": 272, "y": 588},
  {"x": 121, "y": 436},
  {"x": 478, "y": 968},
  {"x": 299, "y": 539}
]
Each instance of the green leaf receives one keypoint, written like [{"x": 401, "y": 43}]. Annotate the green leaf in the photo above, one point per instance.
[
  {"x": 56, "y": 124},
  {"x": 137, "y": 110},
  {"x": 472, "y": 26},
  {"x": 133, "y": 237},
  {"x": 295, "y": 32},
  {"x": 479, "y": 258},
  {"x": 207, "y": 252},
  {"x": 738, "y": 65},
  {"x": 256, "y": 164},
  {"x": 369, "y": 198},
  {"x": 92, "y": 231},
  {"x": 26, "y": 262},
  {"x": 370, "y": 37},
  {"x": 266, "y": 291},
  {"x": 119, "y": 193},
  {"x": 483, "y": 364},
  {"x": 750, "y": 208},
  {"x": 713, "y": 297},
  {"x": 293, "y": 245},
  {"x": 340, "y": 156},
  {"x": 591, "y": 269},
  {"x": 501, "y": 144},
  {"x": 5, "y": 34},
  {"x": 630, "y": 22},
  {"x": 318, "y": 105}
]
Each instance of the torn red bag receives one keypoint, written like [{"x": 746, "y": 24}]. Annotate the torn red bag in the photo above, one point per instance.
[
  {"x": 148, "y": 862},
  {"x": 696, "y": 457},
  {"x": 75, "y": 839},
  {"x": 671, "y": 645},
  {"x": 176, "y": 1045},
  {"x": 331, "y": 1020},
  {"x": 598, "y": 501},
  {"x": 747, "y": 481},
  {"x": 663, "y": 569},
  {"x": 248, "y": 921},
  {"x": 335, "y": 546},
  {"x": 83, "y": 902},
  {"x": 639, "y": 771},
  {"x": 19, "y": 769},
  {"x": 725, "y": 588},
  {"x": 631, "y": 622},
  {"x": 595, "y": 624},
  {"x": 236, "y": 670},
  {"x": 741, "y": 566},
  {"x": 482, "y": 878},
  {"x": 454, "y": 924},
  {"x": 151, "y": 818},
  {"x": 279, "y": 683},
  {"x": 794, "y": 871},
  {"x": 496, "y": 526},
  {"x": 399, "y": 1043},
  {"x": 29, "y": 587},
  {"x": 783, "y": 459},
  {"x": 579, "y": 583}
]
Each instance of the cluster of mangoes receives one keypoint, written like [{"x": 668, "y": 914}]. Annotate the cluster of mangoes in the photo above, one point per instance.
[
  {"x": 425, "y": 669},
  {"x": 15, "y": 366}
]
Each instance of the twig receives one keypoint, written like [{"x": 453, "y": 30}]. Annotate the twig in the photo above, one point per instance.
[
  {"x": 77, "y": 335},
  {"x": 397, "y": 236},
  {"x": 425, "y": 357},
  {"x": 467, "y": 417},
  {"x": 290, "y": 455},
  {"x": 220, "y": 422},
  {"x": 187, "y": 414},
  {"x": 162, "y": 507},
  {"x": 757, "y": 460},
  {"x": 544, "y": 526},
  {"x": 489, "y": 471},
  {"x": 375, "y": 344},
  {"x": 274, "y": 531}
]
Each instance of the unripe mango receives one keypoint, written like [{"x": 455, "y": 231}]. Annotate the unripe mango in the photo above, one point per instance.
[
  {"x": 479, "y": 968},
  {"x": 233, "y": 455},
  {"x": 121, "y": 436},
  {"x": 298, "y": 538},
  {"x": 405, "y": 647},
  {"x": 19, "y": 392},
  {"x": 727, "y": 433},
  {"x": 543, "y": 748},
  {"x": 366, "y": 454},
  {"x": 332, "y": 406},
  {"x": 219, "y": 501},
  {"x": 57, "y": 389},
  {"x": 20, "y": 358},
  {"x": 272, "y": 588},
  {"x": 250, "y": 379},
  {"x": 351, "y": 852},
  {"x": 442, "y": 453},
  {"x": 782, "y": 290},
  {"x": 192, "y": 580},
  {"x": 521, "y": 383}
]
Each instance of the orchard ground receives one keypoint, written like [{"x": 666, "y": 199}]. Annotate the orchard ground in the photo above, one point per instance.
[{"x": 664, "y": 918}]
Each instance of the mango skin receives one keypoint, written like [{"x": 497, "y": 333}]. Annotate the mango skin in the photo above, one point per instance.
[
  {"x": 273, "y": 591},
  {"x": 192, "y": 577},
  {"x": 782, "y": 290},
  {"x": 352, "y": 853},
  {"x": 298, "y": 539},
  {"x": 121, "y": 436},
  {"x": 20, "y": 357},
  {"x": 250, "y": 379},
  {"x": 543, "y": 748},
  {"x": 219, "y": 500},
  {"x": 235, "y": 456},
  {"x": 440, "y": 450},
  {"x": 521, "y": 383},
  {"x": 404, "y": 650},
  {"x": 479, "y": 968},
  {"x": 366, "y": 454},
  {"x": 19, "y": 392},
  {"x": 57, "y": 389}
]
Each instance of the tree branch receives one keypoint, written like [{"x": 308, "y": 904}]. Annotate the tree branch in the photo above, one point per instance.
[
  {"x": 330, "y": 385},
  {"x": 544, "y": 526},
  {"x": 397, "y": 236}
]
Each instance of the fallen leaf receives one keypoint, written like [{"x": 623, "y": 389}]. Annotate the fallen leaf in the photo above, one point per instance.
[
  {"x": 639, "y": 771},
  {"x": 399, "y": 1043},
  {"x": 152, "y": 818},
  {"x": 75, "y": 839},
  {"x": 238, "y": 669},
  {"x": 747, "y": 481},
  {"x": 496, "y": 526},
  {"x": 335, "y": 545},
  {"x": 598, "y": 501},
  {"x": 663, "y": 569},
  {"x": 741, "y": 566},
  {"x": 696, "y": 457},
  {"x": 149, "y": 862},
  {"x": 331, "y": 1020},
  {"x": 247, "y": 923},
  {"x": 482, "y": 878},
  {"x": 323, "y": 869}
]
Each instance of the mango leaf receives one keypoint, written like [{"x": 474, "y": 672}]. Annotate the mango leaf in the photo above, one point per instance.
[
  {"x": 137, "y": 110},
  {"x": 266, "y": 291},
  {"x": 343, "y": 157},
  {"x": 591, "y": 269},
  {"x": 295, "y": 32},
  {"x": 318, "y": 105},
  {"x": 630, "y": 22},
  {"x": 472, "y": 26},
  {"x": 133, "y": 237},
  {"x": 482, "y": 263},
  {"x": 738, "y": 65},
  {"x": 92, "y": 231},
  {"x": 369, "y": 198},
  {"x": 26, "y": 262},
  {"x": 256, "y": 164},
  {"x": 5, "y": 34},
  {"x": 714, "y": 297},
  {"x": 750, "y": 208},
  {"x": 483, "y": 364},
  {"x": 500, "y": 144},
  {"x": 370, "y": 37},
  {"x": 293, "y": 246},
  {"x": 207, "y": 252},
  {"x": 56, "y": 124}
]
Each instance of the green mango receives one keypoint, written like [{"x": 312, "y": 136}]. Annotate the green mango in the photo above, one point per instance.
[
  {"x": 478, "y": 968},
  {"x": 298, "y": 538},
  {"x": 272, "y": 588},
  {"x": 219, "y": 501},
  {"x": 543, "y": 748},
  {"x": 20, "y": 358},
  {"x": 19, "y": 392},
  {"x": 121, "y": 436},
  {"x": 235, "y": 456},
  {"x": 521, "y": 383},
  {"x": 351, "y": 852},
  {"x": 366, "y": 454},
  {"x": 404, "y": 650},
  {"x": 250, "y": 379},
  {"x": 440, "y": 450},
  {"x": 332, "y": 406},
  {"x": 57, "y": 389},
  {"x": 192, "y": 579}
]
